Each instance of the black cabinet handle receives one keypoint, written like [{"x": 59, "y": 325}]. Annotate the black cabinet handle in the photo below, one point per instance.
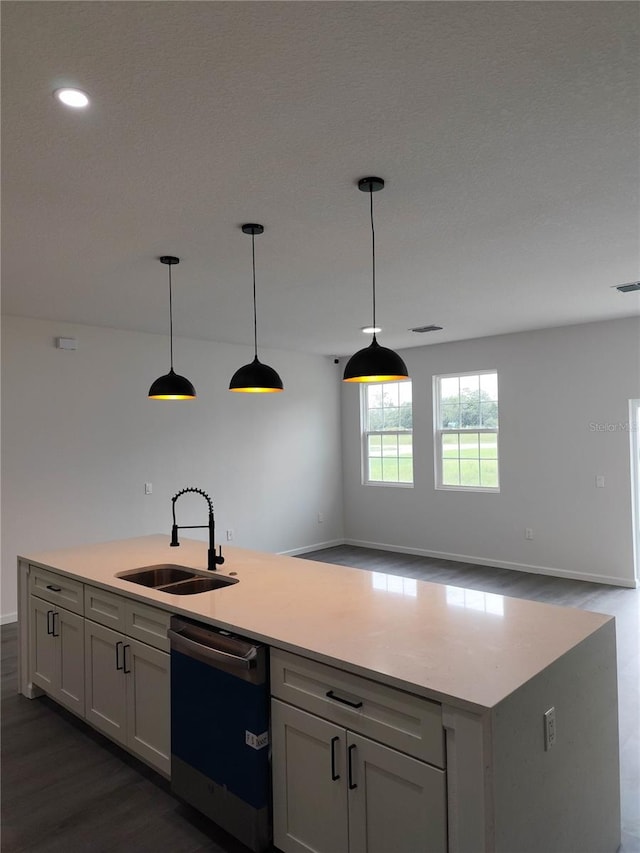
[
  {"x": 53, "y": 624},
  {"x": 331, "y": 695},
  {"x": 54, "y": 588},
  {"x": 124, "y": 659},
  {"x": 118, "y": 644},
  {"x": 49, "y": 626},
  {"x": 352, "y": 784},
  {"x": 334, "y": 776}
]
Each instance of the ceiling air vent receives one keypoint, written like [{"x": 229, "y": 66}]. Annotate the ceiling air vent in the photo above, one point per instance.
[
  {"x": 627, "y": 288},
  {"x": 422, "y": 329}
]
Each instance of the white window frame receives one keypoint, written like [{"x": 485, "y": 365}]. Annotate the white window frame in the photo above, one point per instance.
[
  {"x": 439, "y": 432},
  {"x": 364, "y": 439}
]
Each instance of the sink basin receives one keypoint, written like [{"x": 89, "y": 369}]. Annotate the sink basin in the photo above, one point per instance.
[
  {"x": 177, "y": 580},
  {"x": 156, "y": 576},
  {"x": 198, "y": 584}
]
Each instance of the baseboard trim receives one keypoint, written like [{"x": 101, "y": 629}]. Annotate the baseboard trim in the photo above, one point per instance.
[
  {"x": 498, "y": 564},
  {"x": 8, "y": 618},
  {"x": 306, "y": 549}
]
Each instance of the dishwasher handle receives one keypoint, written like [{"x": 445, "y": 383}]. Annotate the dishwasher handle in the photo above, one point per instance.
[{"x": 211, "y": 655}]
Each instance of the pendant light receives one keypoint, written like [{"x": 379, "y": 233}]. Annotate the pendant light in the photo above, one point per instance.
[
  {"x": 171, "y": 386},
  {"x": 255, "y": 377},
  {"x": 374, "y": 363}
]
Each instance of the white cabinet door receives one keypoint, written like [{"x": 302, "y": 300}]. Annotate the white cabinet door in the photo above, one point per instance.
[
  {"x": 43, "y": 655},
  {"x": 105, "y": 686},
  {"x": 309, "y": 782},
  {"x": 57, "y": 653},
  {"x": 69, "y": 634},
  {"x": 148, "y": 703},
  {"x": 396, "y": 803}
]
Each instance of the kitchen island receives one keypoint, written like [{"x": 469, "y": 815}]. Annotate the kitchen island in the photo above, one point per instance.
[{"x": 480, "y": 669}]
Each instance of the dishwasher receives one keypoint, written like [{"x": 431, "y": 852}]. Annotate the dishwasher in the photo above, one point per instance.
[{"x": 220, "y": 729}]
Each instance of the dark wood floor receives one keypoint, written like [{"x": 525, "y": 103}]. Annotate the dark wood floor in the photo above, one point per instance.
[{"x": 66, "y": 788}]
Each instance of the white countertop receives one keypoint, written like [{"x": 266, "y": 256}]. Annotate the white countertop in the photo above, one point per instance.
[{"x": 468, "y": 648}]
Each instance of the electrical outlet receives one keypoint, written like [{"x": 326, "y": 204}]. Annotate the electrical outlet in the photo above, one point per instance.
[
  {"x": 528, "y": 533},
  {"x": 148, "y": 488},
  {"x": 599, "y": 481},
  {"x": 229, "y": 535},
  {"x": 320, "y": 517},
  {"x": 549, "y": 728}
]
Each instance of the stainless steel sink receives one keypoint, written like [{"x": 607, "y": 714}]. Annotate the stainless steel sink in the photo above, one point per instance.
[
  {"x": 156, "y": 576},
  {"x": 199, "y": 584},
  {"x": 177, "y": 580}
]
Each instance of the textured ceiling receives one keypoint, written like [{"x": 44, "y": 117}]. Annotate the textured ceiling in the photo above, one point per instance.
[{"x": 507, "y": 134}]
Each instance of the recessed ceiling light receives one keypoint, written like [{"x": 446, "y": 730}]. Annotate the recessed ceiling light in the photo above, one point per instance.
[
  {"x": 371, "y": 330},
  {"x": 72, "y": 98}
]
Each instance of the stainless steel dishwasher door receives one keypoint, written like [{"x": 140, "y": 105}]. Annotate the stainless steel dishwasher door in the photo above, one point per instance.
[{"x": 220, "y": 729}]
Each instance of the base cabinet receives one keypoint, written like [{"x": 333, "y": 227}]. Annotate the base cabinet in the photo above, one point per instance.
[
  {"x": 310, "y": 805},
  {"x": 56, "y": 652},
  {"x": 395, "y": 802},
  {"x": 335, "y": 791},
  {"x": 127, "y": 693}
]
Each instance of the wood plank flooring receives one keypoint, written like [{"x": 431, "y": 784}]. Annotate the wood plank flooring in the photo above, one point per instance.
[{"x": 66, "y": 788}]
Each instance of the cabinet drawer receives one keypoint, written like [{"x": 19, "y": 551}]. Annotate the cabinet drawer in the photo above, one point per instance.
[
  {"x": 406, "y": 722},
  {"x": 56, "y": 588},
  {"x": 104, "y": 607},
  {"x": 148, "y": 624}
]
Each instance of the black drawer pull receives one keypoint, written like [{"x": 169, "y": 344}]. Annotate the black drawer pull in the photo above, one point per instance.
[
  {"x": 53, "y": 624},
  {"x": 331, "y": 695},
  {"x": 124, "y": 659},
  {"x": 352, "y": 784},
  {"x": 54, "y": 588},
  {"x": 49, "y": 625},
  {"x": 118, "y": 644},
  {"x": 334, "y": 776}
]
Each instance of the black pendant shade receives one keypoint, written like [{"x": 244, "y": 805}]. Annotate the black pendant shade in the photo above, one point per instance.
[
  {"x": 255, "y": 377},
  {"x": 171, "y": 386},
  {"x": 374, "y": 363}
]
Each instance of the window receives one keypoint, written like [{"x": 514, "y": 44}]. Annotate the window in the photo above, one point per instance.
[
  {"x": 466, "y": 431},
  {"x": 387, "y": 418}
]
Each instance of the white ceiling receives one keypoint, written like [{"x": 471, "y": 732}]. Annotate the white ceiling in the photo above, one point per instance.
[{"x": 507, "y": 134}]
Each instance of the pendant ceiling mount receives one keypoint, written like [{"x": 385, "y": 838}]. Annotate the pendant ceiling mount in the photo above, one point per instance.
[
  {"x": 171, "y": 386},
  {"x": 370, "y": 185},
  {"x": 374, "y": 363},
  {"x": 255, "y": 377},
  {"x": 252, "y": 228}
]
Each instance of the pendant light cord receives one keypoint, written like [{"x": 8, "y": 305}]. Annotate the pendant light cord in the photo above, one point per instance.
[
  {"x": 170, "y": 318},
  {"x": 373, "y": 258},
  {"x": 255, "y": 316}
]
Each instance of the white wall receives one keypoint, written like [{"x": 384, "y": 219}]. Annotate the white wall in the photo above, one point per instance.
[
  {"x": 554, "y": 384},
  {"x": 80, "y": 439}
]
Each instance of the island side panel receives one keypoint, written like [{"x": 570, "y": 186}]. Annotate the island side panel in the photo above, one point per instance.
[
  {"x": 469, "y": 793},
  {"x": 25, "y": 685},
  {"x": 566, "y": 797}
]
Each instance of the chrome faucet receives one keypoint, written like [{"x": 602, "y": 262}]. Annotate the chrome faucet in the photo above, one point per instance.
[{"x": 213, "y": 559}]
